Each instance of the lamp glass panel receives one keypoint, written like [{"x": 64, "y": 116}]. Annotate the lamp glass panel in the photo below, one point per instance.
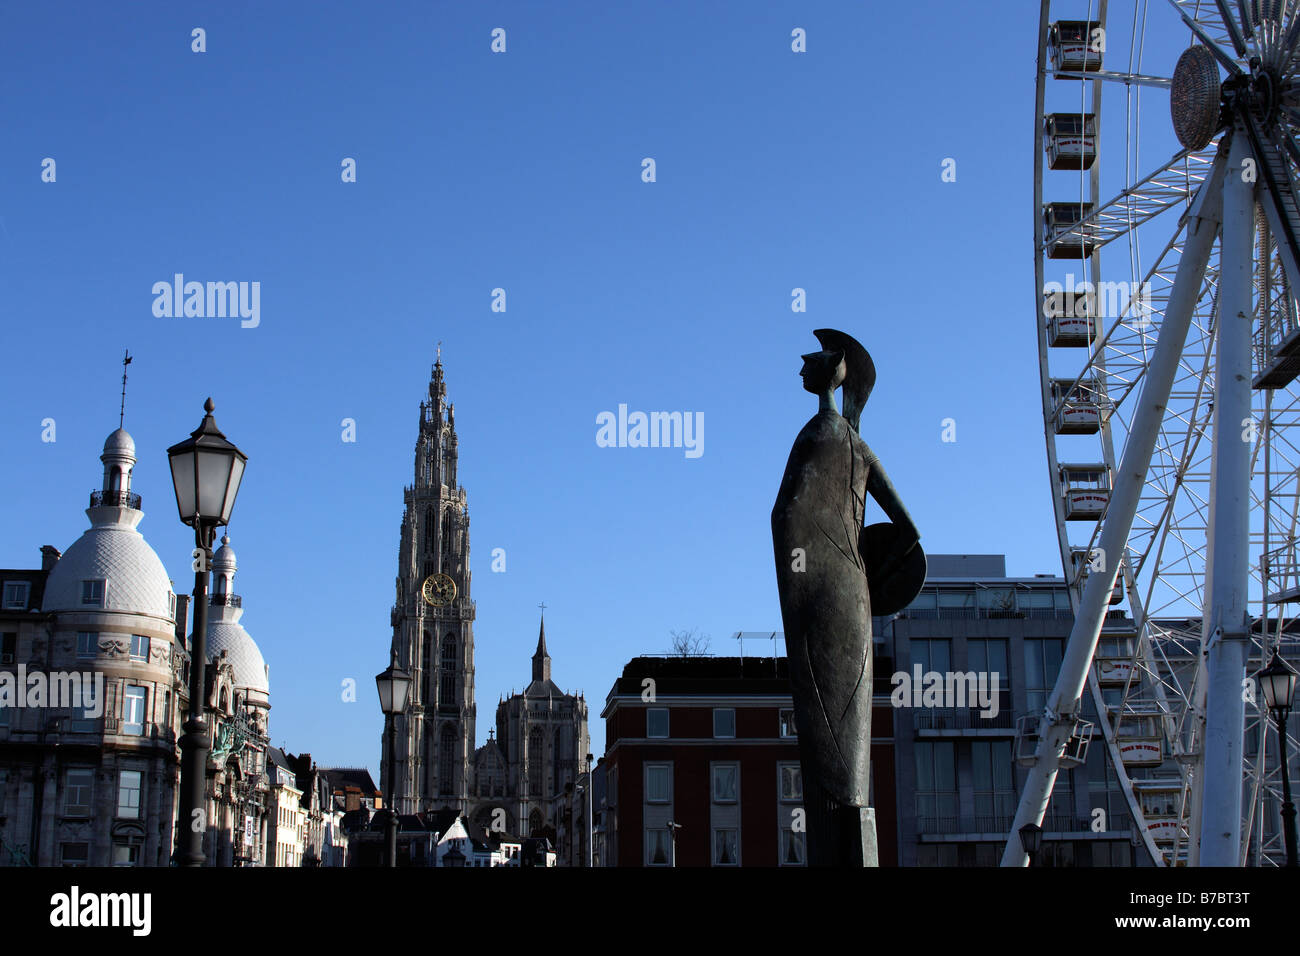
[
  {"x": 183, "y": 480},
  {"x": 214, "y": 474},
  {"x": 232, "y": 489}
]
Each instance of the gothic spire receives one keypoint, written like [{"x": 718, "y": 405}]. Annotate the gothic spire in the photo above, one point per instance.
[{"x": 541, "y": 659}]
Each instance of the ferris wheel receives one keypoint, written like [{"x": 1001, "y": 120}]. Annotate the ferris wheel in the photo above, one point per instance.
[{"x": 1166, "y": 276}]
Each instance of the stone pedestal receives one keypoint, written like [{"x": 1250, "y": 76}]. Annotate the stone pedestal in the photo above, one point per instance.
[{"x": 838, "y": 834}]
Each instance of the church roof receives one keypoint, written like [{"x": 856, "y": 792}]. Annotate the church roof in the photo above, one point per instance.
[{"x": 543, "y": 688}]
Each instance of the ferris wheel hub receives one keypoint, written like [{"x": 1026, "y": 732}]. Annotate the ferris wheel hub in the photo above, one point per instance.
[{"x": 1195, "y": 98}]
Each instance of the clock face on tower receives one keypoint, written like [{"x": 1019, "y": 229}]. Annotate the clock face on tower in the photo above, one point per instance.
[{"x": 438, "y": 590}]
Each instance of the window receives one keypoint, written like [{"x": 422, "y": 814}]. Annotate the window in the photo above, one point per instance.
[
  {"x": 536, "y": 762},
  {"x": 791, "y": 776},
  {"x": 793, "y": 850},
  {"x": 656, "y": 722},
  {"x": 726, "y": 782},
  {"x": 133, "y": 709},
  {"x": 990, "y": 657},
  {"x": 447, "y": 690},
  {"x": 74, "y": 854},
  {"x": 139, "y": 647},
  {"x": 77, "y": 787},
  {"x": 92, "y": 592},
  {"x": 936, "y": 786},
  {"x": 16, "y": 594},
  {"x": 724, "y": 722},
  {"x": 87, "y": 644},
  {"x": 932, "y": 655},
  {"x": 787, "y": 724},
  {"x": 1042, "y": 663},
  {"x": 126, "y": 854},
  {"x": 8, "y": 647},
  {"x": 658, "y": 783},
  {"x": 80, "y": 723},
  {"x": 128, "y": 795},
  {"x": 658, "y": 847},
  {"x": 726, "y": 847},
  {"x": 995, "y": 790},
  {"x": 952, "y": 600}
]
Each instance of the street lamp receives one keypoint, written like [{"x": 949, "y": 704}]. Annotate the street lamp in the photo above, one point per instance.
[
  {"x": 1278, "y": 681},
  {"x": 672, "y": 836},
  {"x": 206, "y": 472},
  {"x": 585, "y": 790},
  {"x": 394, "y": 685},
  {"x": 1031, "y": 837}
]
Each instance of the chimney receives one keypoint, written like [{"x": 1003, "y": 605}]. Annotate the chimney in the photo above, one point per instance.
[{"x": 49, "y": 556}]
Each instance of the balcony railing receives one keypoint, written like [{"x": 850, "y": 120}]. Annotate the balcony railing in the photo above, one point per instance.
[
  {"x": 226, "y": 600},
  {"x": 996, "y": 823},
  {"x": 973, "y": 613},
  {"x": 949, "y": 718},
  {"x": 119, "y": 499}
]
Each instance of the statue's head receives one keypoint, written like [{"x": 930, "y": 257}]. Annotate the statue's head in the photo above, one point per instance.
[
  {"x": 822, "y": 371},
  {"x": 860, "y": 376}
]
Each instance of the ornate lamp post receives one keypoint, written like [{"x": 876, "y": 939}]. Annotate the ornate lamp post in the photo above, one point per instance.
[
  {"x": 206, "y": 472},
  {"x": 394, "y": 686},
  {"x": 1031, "y": 837},
  {"x": 1278, "y": 681}
]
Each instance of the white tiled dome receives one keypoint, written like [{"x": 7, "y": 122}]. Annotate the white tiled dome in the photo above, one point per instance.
[
  {"x": 137, "y": 582},
  {"x": 241, "y": 652}
]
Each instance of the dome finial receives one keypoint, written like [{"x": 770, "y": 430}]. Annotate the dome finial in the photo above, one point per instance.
[
  {"x": 121, "y": 412},
  {"x": 208, "y": 406}
]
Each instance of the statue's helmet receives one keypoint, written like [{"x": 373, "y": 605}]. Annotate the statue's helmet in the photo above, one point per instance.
[{"x": 861, "y": 377}]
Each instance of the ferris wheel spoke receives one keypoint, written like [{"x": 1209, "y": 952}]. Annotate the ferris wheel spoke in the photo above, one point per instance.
[
  {"x": 1167, "y": 187},
  {"x": 1224, "y": 58},
  {"x": 1230, "y": 24},
  {"x": 1110, "y": 76}
]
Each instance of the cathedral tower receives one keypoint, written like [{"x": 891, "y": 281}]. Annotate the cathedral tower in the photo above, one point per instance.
[{"x": 433, "y": 623}]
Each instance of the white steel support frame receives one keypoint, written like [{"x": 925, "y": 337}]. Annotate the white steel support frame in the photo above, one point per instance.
[
  {"x": 1226, "y": 629},
  {"x": 1202, "y": 226}
]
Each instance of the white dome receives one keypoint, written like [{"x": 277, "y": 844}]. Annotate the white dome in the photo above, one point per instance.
[
  {"x": 241, "y": 652},
  {"x": 224, "y": 558},
  {"x": 120, "y": 443},
  {"x": 118, "y": 554}
]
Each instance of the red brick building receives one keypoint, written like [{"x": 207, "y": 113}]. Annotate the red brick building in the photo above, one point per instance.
[{"x": 705, "y": 748}]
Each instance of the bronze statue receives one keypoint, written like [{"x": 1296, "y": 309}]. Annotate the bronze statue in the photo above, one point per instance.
[{"x": 833, "y": 575}]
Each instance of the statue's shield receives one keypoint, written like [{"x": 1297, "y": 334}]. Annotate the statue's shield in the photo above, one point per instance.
[{"x": 891, "y": 592}]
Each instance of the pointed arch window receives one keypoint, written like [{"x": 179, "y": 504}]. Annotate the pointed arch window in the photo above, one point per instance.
[
  {"x": 556, "y": 770},
  {"x": 447, "y": 761},
  {"x": 536, "y": 762},
  {"x": 535, "y": 823},
  {"x": 448, "y": 687},
  {"x": 428, "y": 531}
]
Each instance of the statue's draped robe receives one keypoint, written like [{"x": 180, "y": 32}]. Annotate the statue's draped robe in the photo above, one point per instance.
[{"x": 826, "y": 607}]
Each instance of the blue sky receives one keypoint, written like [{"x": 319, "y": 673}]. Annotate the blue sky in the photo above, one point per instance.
[{"x": 522, "y": 171}]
